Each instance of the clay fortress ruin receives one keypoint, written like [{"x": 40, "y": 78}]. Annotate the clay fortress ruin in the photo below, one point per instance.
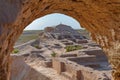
[
  {"x": 63, "y": 51},
  {"x": 62, "y": 31},
  {"x": 100, "y": 17}
]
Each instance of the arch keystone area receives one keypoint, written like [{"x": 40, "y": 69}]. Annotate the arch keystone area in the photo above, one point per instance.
[{"x": 100, "y": 17}]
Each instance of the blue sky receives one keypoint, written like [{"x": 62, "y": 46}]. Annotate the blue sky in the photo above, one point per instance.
[{"x": 52, "y": 20}]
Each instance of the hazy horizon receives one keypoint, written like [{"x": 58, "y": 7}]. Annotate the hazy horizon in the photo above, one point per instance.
[{"x": 53, "y": 20}]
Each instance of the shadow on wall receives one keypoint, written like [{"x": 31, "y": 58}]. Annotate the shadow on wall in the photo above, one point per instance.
[{"x": 21, "y": 71}]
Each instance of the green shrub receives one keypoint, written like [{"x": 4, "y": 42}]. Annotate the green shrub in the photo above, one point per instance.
[
  {"x": 38, "y": 47},
  {"x": 53, "y": 54},
  {"x": 73, "y": 48},
  {"x": 15, "y": 51}
]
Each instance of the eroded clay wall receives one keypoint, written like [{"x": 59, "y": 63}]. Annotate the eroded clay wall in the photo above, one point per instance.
[{"x": 101, "y": 18}]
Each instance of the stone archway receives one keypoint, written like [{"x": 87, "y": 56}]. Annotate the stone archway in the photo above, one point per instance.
[{"x": 101, "y": 18}]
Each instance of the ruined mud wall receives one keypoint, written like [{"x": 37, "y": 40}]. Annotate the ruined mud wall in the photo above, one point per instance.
[
  {"x": 100, "y": 17},
  {"x": 22, "y": 71}
]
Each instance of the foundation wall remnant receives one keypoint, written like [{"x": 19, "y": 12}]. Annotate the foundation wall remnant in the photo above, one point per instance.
[
  {"x": 22, "y": 71},
  {"x": 77, "y": 72}
]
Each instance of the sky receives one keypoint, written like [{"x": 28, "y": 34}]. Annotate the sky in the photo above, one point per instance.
[{"x": 52, "y": 20}]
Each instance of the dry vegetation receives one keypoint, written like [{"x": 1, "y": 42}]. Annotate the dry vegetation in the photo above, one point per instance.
[
  {"x": 73, "y": 48},
  {"x": 27, "y": 36}
]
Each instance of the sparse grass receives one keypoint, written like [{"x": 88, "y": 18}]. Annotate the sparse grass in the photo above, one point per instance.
[
  {"x": 28, "y": 35},
  {"x": 26, "y": 38},
  {"x": 15, "y": 51},
  {"x": 53, "y": 54},
  {"x": 73, "y": 48}
]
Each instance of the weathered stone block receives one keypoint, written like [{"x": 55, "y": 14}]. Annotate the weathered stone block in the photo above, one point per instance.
[
  {"x": 58, "y": 66},
  {"x": 76, "y": 75}
]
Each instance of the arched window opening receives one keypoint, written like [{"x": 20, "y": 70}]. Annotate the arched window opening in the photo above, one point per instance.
[{"x": 57, "y": 41}]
